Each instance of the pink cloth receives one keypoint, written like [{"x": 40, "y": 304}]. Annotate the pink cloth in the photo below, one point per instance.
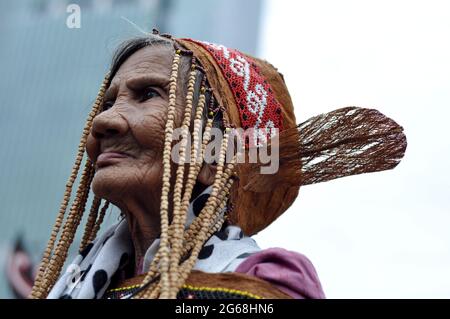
[{"x": 289, "y": 271}]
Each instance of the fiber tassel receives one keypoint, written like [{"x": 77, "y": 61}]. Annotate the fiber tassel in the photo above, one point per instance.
[{"x": 344, "y": 142}]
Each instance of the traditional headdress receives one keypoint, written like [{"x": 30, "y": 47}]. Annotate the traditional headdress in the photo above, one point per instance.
[{"x": 248, "y": 93}]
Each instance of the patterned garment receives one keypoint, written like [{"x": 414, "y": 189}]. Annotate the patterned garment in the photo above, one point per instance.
[
  {"x": 186, "y": 292},
  {"x": 90, "y": 273}
]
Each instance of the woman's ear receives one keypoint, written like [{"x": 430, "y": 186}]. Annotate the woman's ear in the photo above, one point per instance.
[{"x": 207, "y": 174}]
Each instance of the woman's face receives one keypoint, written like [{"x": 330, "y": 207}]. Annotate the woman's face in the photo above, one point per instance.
[{"x": 127, "y": 137}]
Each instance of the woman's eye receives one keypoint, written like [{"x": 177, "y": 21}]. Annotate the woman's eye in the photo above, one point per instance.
[
  {"x": 107, "y": 105},
  {"x": 149, "y": 93}
]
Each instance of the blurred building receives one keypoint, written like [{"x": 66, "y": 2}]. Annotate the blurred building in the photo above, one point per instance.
[{"x": 50, "y": 77}]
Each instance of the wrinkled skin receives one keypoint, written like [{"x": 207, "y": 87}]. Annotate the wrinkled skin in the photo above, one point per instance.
[{"x": 129, "y": 133}]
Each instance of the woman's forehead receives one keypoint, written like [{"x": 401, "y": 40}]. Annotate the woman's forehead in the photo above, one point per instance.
[{"x": 151, "y": 60}]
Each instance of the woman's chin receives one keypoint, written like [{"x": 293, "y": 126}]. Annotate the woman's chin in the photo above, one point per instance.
[
  {"x": 115, "y": 182},
  {"x": 109, "y": 183}
]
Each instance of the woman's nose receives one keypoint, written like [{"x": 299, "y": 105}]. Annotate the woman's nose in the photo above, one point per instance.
[{"x": 108, "y": 124}]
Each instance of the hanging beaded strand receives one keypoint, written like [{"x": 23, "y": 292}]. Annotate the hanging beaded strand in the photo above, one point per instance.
[
  {"x": 153, "y": 273},
  {"x": 194, "y": 166},
  {"x": 208, "y": 212},
  {"x": 38, "y": 291},
  {"x": 90, "y": 222},
  {"x": 164, "y": 211},
  {"x": 85, "y": 195},
  {"x": 228, "y": 180},
  {"x": 197, "y": 156},
  {"x": 98, "y": 223},
  {"x": 212, "y": 112},
  {"x": 154, "y": 290},
  {"x": 180, "y": 209},
  {"x": 68, "y": 233}
]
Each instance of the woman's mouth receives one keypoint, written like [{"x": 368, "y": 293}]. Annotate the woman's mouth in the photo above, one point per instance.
[{"x": 108, "y": 158}]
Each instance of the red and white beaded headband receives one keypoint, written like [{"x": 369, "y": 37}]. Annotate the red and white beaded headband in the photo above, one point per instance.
[{"x": 258, "y": 107}]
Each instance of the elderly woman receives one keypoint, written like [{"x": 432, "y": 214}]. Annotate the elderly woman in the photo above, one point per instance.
[{"x": 187, "y": 218}]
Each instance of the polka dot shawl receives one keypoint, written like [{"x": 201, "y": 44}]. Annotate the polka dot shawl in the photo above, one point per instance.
[{"x": 90, "y": 273}]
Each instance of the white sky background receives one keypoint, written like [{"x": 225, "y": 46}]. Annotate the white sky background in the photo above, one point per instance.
[{"x": 381, "y": 235}]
